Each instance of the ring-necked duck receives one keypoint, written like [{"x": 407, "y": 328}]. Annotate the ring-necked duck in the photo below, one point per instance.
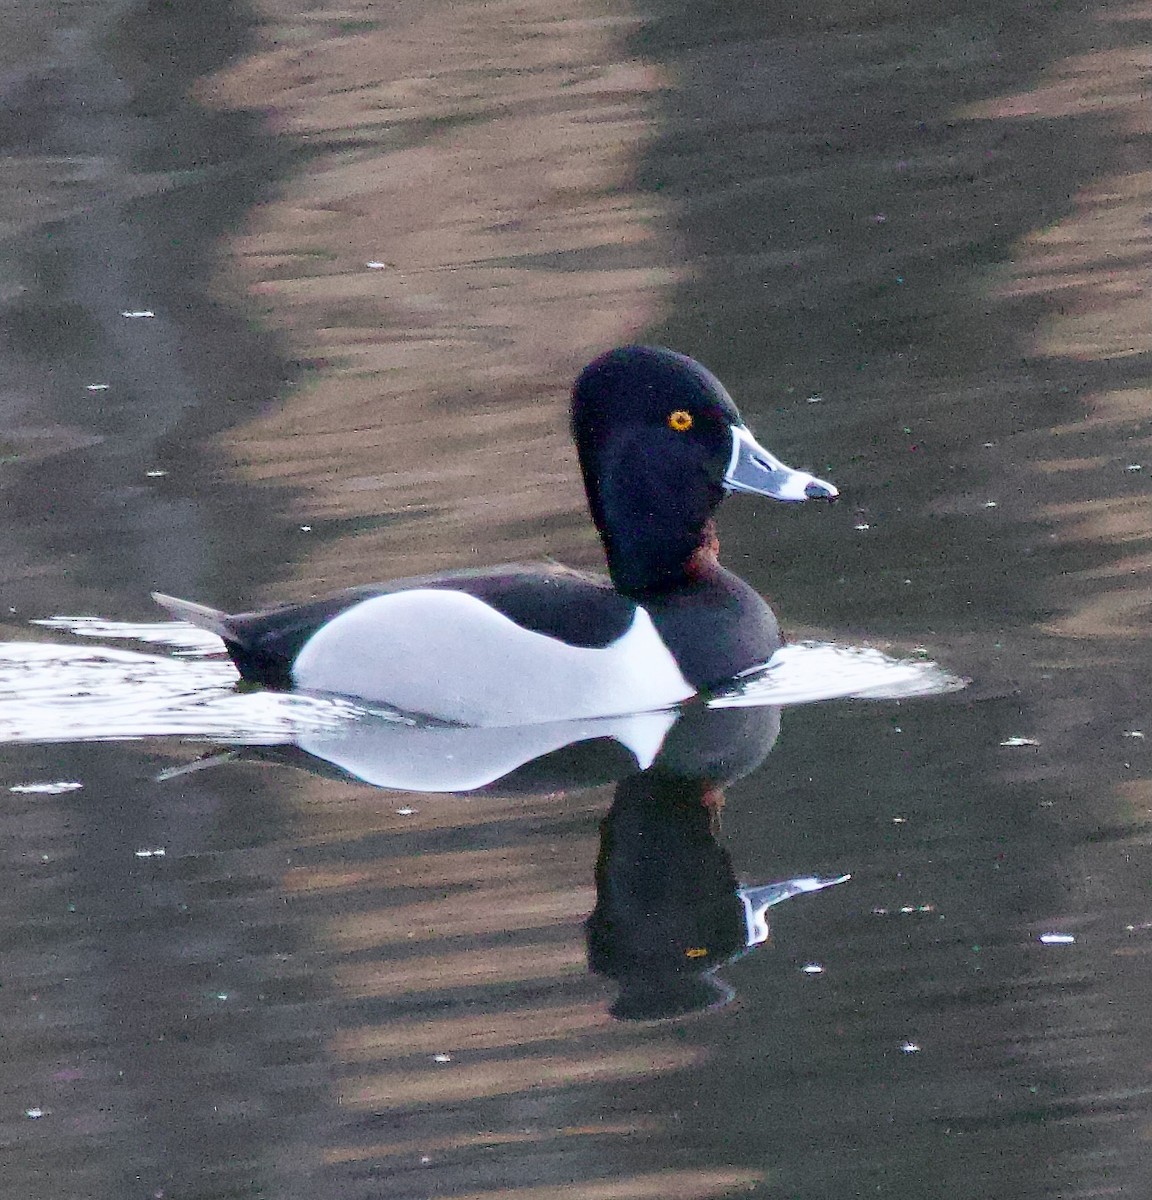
[{"x": 660, "y": 442}]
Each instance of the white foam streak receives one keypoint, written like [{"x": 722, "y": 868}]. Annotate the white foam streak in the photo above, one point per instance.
[
  {"x": 808, "y": 672},
  {"x": 66, "y": 693},
  {"x": 177, "y": 634},
  {"x": 54, "y": 693}
]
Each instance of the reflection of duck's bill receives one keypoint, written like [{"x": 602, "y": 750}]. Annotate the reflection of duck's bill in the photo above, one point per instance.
[
  {"x": 659, "y": 995},
  {"x": 757, "y": 901},
  {"x": 756, "y": 470},
  {"x": 217, "y": 758}
]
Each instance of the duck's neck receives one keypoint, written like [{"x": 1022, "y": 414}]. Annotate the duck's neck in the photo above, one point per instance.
[
  {"x": 704, "y": 562},
  {"x": 654, "y": 515},
  {"x": 646, "y": 566}
]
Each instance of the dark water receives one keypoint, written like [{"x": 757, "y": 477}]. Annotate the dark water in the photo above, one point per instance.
[{"x": 909, "y": 238}]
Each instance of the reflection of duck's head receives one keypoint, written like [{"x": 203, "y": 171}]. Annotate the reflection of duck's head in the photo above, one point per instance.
[
  {"x": 667, "y": 903},
  {"x": 669, "y": 909}
]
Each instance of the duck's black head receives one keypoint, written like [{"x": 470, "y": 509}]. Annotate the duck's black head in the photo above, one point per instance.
[{"x": 660, "y": 443}]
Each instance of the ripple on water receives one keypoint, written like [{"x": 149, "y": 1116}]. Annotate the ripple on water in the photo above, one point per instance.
[
  {"x": 808, "y": 672},
  {"x": 62, "y": 693},
  {"x": 51, "y": 693}
]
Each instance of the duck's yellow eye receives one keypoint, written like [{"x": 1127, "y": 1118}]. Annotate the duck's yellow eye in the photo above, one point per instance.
[{"x": 680, "y": 420}]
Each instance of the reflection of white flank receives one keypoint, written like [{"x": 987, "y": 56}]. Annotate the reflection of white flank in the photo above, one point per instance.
[{"x": 416, "y": 758}]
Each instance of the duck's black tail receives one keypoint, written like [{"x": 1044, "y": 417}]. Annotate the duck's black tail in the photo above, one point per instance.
[
  {"x": 200, "y": 615},
  {"x": 253, "y": 641}
]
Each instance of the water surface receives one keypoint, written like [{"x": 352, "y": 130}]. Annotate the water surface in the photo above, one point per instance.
[{"x": 376, "y": 244}]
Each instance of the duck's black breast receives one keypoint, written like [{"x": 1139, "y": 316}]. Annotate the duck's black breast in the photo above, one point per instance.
[{"x": 715, "y": 628}]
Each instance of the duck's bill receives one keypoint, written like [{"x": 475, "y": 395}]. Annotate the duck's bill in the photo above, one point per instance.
[{"x": 753, "y": 469}]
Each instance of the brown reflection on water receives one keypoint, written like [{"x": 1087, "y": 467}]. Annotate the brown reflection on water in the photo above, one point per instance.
[
  {"x": 460, "y": 994},
  {"x": 661, "y": 1185},
  {"x": 1086, "y": 473},
  {"x": 1092, "y": 270},
  {"x": 402, "y": 1038},
  {"x": 463, "y": 241}
]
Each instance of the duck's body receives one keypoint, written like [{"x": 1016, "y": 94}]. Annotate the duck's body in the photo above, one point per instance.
[
  {"x": 514, "y": 645},
  {"x": 659, "y": 442}
]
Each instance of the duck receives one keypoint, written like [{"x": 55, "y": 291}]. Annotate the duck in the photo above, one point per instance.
[{"x": 660, "y": 444}]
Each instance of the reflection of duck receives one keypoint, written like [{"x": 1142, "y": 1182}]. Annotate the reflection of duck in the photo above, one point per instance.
[
  {"x": 401, "y": 755},
  {"x": 660, "y": 442},
  {"x": 669, "y": 909}
]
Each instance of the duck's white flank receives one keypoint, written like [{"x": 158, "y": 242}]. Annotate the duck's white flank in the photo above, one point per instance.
[{"x": 447, "y": 654}]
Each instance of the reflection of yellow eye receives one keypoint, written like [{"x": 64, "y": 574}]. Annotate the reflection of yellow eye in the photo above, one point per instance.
[
  {"x": 680, "y": 420},
  {"x": 696, "y": 952}
]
